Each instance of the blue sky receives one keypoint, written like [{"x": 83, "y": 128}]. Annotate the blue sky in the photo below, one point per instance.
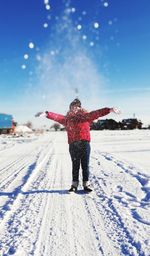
[{"x": 53, "y": 50}]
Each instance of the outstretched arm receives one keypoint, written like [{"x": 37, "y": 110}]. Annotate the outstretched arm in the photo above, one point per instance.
[
  {"x": 56, "y": 117},
  {"x": 91, "y": 116},
  {"x": 53, "y": 116}
]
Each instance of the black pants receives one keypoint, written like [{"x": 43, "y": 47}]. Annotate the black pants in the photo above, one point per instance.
[{"x": 80, "y": 154}]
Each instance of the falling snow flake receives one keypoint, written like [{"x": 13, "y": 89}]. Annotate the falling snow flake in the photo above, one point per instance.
[
  {"x": 52, "y": 53},
  {"x": 91, "y": 43},
  {"x": 73, "y": 9},
  {"x": 84, "y": 13},
  {"x": 26, "y": 56},
  {"x": 46, "y": 1},
  {"x": 96, "y": 25},
  {"x": 110, "y": 22},
  {"x": 84, "y": 37},
  {"x": 105, "y": 4},
  {"x": 31, "y": 45},
  {"x": 45, "y": 25},
  {"x": 47, "y": 7},
  {"x": 23, "y": 66},
  {"x": 38, "y": 57},
  {"x": 79, "y": 27}
]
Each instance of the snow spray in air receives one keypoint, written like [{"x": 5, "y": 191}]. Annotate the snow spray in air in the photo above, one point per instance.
[{"x": 65, "y": 67}]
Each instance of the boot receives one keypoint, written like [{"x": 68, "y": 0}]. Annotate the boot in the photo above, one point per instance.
[
  {"x": 87, "y": 189},
  {"x": 73, "y": 189},
  {"x": 74, "y": 186},
  {"x": 86, "y": 186}
]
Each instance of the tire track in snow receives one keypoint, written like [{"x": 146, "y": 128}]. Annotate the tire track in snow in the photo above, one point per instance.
[
  {"x": 40, "y": 220},
  {"x": 57, "y": 221},
  {"x": 103, "y": 242},
  {"x": 81, "y": 238},
  {"x": 28, "y": 155},
  {"x": 46, "y": 239},
  {"x": 13, "y": 172},
  {"x": 16, "y": 195},
  {"x": 19, "y": 218},
  {"x": 128, "y": 168},
  {"x": 115, "y": 227},
  {"x": 143, "y": 181},
  {"x": 61, "y": 223},
  {"x": 6, "y": 147},
  {"x": 9, "y": 172},
  {"x": 46, "y": 212},
  {"x": 17, "y": 180},
  {"x": 107, "y": 207}
]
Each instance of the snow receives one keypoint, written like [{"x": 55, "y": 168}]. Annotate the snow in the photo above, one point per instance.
[
  {"x": 26, "y": 56},
  {"x": 45, "y": 25},
  {"x": 31, "y": 45},
  {"x": 91, "y": 43},
  {"x": 47, "y": 6},
  {"x": 79, "y": 26},
  {"x": 39, "y": 216},
  {"x": 84, "y": 37},
  {"x": 105, "y": 4},
  {"x": 73, "y": 9},
  {"x": 23, "y": 129},
  {"x": 96, "y": 25},
  {"x": 23, "y": 66}
]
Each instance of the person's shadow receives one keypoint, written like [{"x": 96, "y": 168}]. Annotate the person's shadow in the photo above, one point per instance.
[
  {"x": 12, "y": 196},
  {"x": 43, "y": 191},
  {"x": 15, "y": 193}
]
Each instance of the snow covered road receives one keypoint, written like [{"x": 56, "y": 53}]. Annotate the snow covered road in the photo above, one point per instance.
[{"x": 39, "y": 217}]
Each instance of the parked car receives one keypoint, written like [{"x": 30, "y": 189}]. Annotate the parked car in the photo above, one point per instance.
[
  {"x": 107, "y": 124},
  {"x": 110, "y": 124},
  {"x": 131, "y": 123}
]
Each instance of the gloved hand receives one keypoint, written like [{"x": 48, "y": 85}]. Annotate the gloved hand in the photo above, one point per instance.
[
  {"x": 115, "y": 110},
  {"x": 40, "y": 114}
]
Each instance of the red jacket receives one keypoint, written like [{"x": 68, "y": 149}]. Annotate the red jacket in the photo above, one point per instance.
[{"x": 78, "y": 124}]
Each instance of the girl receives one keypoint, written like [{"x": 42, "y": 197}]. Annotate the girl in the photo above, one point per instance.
[{"x": 77, "y": 123}]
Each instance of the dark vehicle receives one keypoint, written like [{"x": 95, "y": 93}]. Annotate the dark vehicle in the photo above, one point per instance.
[
  {"x": 6, "y": 123},
  {"x": 130, "y": 124},
  {"x": 107, "y": 124}
]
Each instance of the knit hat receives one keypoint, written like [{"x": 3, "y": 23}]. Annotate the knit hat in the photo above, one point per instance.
[{"x": 75, "y": 102}]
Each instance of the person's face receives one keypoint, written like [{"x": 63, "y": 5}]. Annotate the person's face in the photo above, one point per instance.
[{"x": 74, "y": 107}]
